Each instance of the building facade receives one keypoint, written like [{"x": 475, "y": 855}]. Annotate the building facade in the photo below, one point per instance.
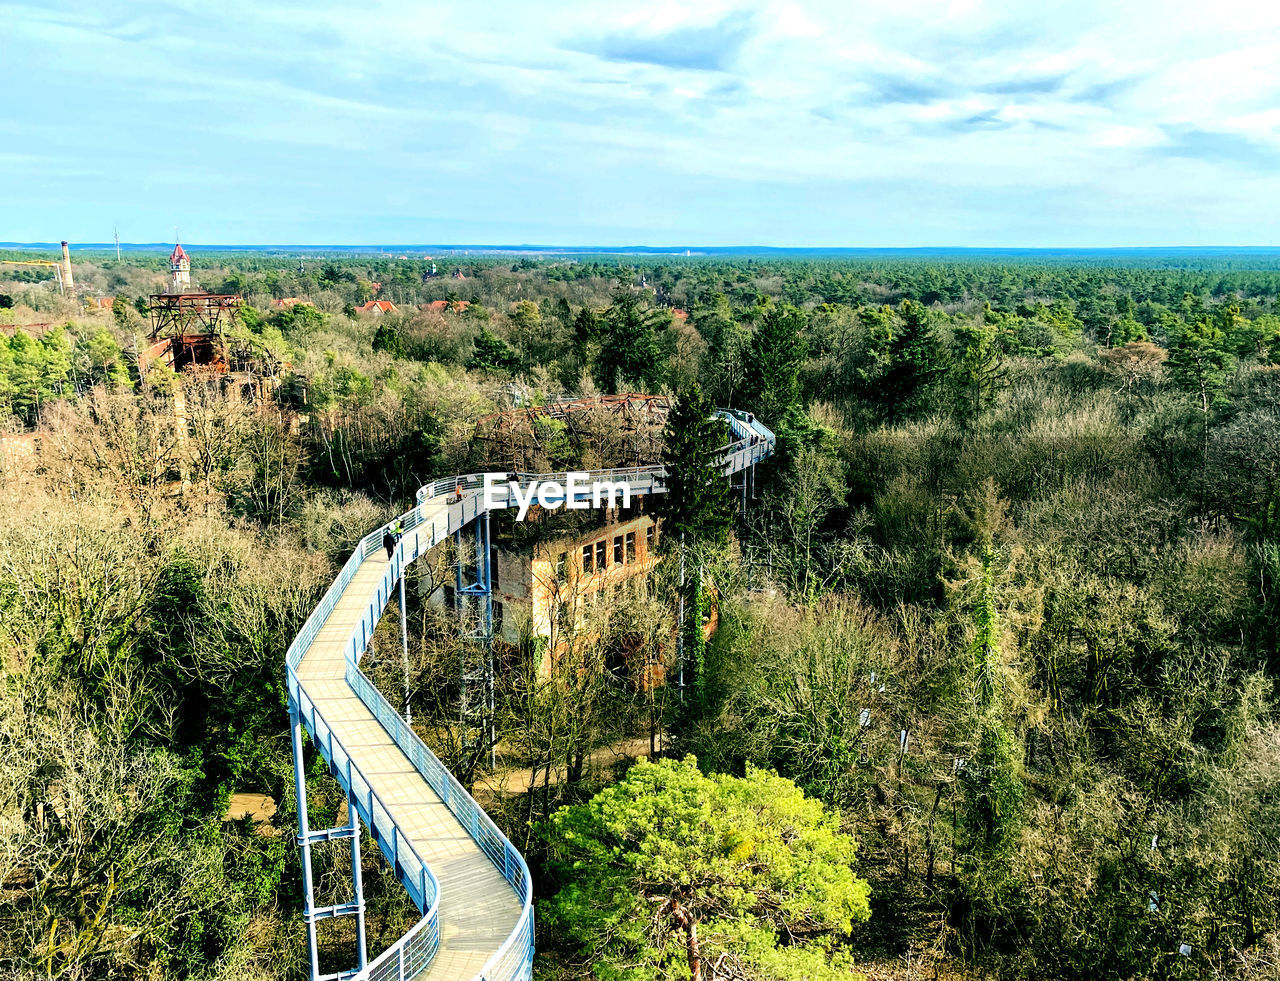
[{"x": 549, "y": 591}]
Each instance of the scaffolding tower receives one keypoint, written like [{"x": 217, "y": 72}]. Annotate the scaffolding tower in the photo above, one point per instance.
[
  {"x": 474, "y": 602},
  {"x": 179, "y": 314}
]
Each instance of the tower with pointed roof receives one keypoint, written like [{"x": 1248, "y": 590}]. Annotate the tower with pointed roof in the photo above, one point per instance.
[{"x": 179, "y": 270}]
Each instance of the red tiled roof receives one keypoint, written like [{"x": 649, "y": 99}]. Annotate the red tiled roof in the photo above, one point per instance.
[
  {"x": 440, "y": 306},
  {"x": 177, "y": 254},
  {"x": 381, "y": 306}
]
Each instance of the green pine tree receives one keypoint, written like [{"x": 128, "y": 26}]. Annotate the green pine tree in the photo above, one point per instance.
[
  {"x": 976, "y": 366},
  {"x": 629, "y": 349},
  {"x": 695, "y": 510},
  {"x": 915, "y": 361},
  {"x": 106, "y": 362},
  {"x": 26, "y": 375},
  {"x": 57, "y": 363},
  {"x": 1199, "y": 361},
  {"x": 586, "y": 329},
  {"x": 778, "y": 351},
  {"x": 387, "y": 338},
  {"x": 6, "y": 379},
  {"x": 674, "y": 874},
  {"x": 490, "y": 353},
  {"x": 696, "y": 504}
]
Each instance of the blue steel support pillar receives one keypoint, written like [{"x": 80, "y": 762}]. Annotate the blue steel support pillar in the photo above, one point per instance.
[
  {"x": 306, "y": 838},
  {"x": 459, "y": 606},
  {"x": 357, "y": 881},
  {"x": 481, "y": 591},
  {"x": 484, "y": 575}
]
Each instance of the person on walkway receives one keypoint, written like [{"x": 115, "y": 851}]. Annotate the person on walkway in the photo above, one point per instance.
[{"x": 389, "y": 543}]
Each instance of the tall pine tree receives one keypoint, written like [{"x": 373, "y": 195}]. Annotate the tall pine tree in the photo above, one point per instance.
[
  {"x": 915, "y": 362},
  {"x": 696, "y": 504},
  {"x": 778, "y": 351},
  {"x": 629, "y": 350},
  {"x": 695, "y": 510}
]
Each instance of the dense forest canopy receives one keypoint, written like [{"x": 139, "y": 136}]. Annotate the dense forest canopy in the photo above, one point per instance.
[{"x": 992, "y": 689}]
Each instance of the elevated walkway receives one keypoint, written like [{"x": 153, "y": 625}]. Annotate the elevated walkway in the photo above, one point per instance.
[{"x": 466, "y": 878}]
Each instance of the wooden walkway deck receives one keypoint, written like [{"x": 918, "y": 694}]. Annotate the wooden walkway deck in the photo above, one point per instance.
[{"x": 478, "y": 909}]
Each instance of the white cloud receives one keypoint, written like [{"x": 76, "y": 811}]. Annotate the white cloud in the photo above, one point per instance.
[{"x": 444, "y": 102}]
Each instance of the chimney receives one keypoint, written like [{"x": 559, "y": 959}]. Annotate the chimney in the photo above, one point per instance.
[{"x": 67, "y": 282}]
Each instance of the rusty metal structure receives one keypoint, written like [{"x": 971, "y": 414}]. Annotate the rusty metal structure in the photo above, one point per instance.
[
  {"x": 190, "y": 330},
  {"x": 177, "y": 314},
  {"x": 602, "y": 431}
]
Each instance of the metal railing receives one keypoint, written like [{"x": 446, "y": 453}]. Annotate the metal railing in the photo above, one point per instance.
[
  {"x": 411, "y": 955},
  {"x": 516, "y": 953},
  {"x": 410, "y": 868}
]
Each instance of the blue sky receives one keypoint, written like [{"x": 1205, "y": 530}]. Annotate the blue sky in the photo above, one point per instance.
[{"x": 794, "y": 123}]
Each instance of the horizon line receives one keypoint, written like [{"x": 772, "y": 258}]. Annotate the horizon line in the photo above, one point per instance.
[{"x": 681, "y": 251}]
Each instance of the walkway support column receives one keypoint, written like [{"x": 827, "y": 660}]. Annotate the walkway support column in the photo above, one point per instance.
[
  {"x": 485, "y": 576},
  {"x": 357, "y": 879},
  {"x": 304, "y": 838},
  {"x": 404, "y": 651}
]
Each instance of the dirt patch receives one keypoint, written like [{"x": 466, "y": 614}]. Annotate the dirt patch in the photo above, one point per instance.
[
  {"x": 259, "y": 807},
  {"x": 517, "y": 781}
]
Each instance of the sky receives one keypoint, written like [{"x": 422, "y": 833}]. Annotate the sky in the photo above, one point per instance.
[{"x": 796, "y": 123}]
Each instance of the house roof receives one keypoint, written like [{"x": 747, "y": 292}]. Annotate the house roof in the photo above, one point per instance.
[
  {"x": 440, "y": 306},
  {"x": 377, "y": 306},
  {"x": 177, "y": 253}
]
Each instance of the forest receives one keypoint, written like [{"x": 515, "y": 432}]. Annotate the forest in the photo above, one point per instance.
[{"x": 991, "y": 690}]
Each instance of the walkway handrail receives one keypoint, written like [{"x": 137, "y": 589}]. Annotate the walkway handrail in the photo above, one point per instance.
[
  {"x": 411, "y": 955},
  {"x": 421, "y": 883},
  {"x": 752, "y": 442},
  {"x": 470, "y": 815}
]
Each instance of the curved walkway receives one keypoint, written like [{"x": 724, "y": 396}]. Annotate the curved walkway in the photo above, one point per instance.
[
  {"x": 477, "y": 909},
  {"x": 469, "y": 882}
]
